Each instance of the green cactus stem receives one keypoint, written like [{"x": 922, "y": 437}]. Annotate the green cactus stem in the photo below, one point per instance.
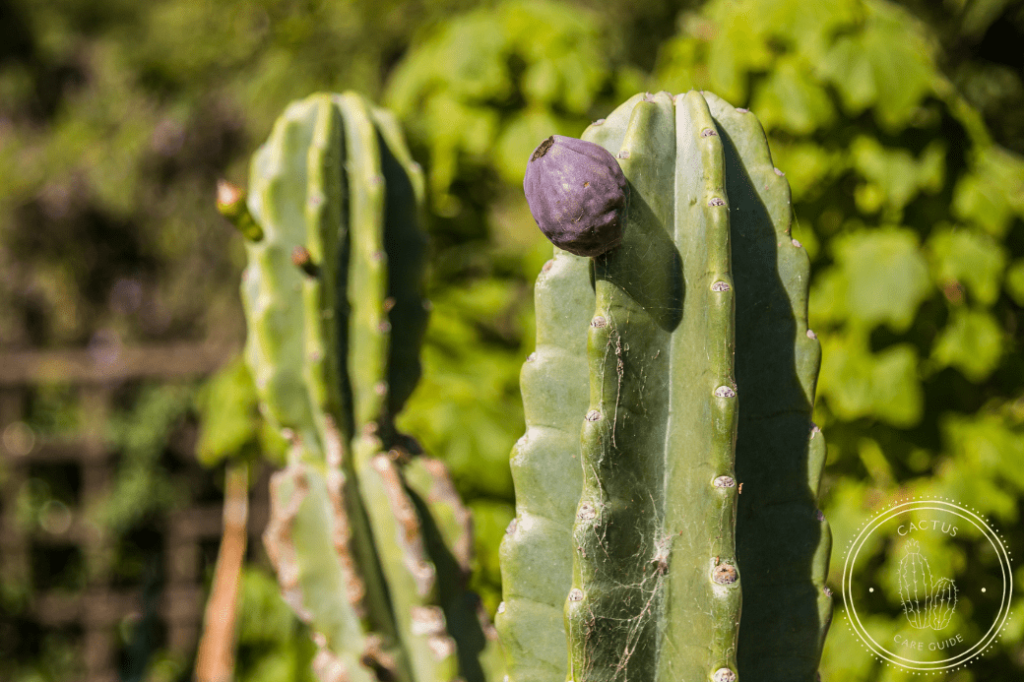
[
  {"x": 333, "y": 299},
  {"x": 692, "y": 337},
  {"x": 536, "y": 553}
]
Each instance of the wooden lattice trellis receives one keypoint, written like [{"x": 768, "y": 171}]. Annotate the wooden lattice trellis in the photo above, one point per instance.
[{"x": 97, "y": 610}]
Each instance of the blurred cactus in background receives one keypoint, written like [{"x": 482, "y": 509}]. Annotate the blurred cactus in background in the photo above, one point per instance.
[{"x": 371, "y": 544}]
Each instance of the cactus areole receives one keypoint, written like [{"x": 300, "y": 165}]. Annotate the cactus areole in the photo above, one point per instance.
[{"x": 577, "y": 194}]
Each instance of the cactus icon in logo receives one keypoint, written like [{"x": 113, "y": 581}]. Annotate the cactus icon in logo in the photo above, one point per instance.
[{"x": 927, "y": 602}]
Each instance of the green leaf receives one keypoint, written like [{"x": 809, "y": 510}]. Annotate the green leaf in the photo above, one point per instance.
[
  {"x": 899, "y": 175},
  {"x": 227, "y": 408},
  {"x": 885, "y": 276},
  {"x": 858, "y": 383},
  {"x": 984, "y": 444},
  {"x": 791, "y": 100},
  {"x": 483, "y": 83},
  {"x": 992, "y": 193},
  {"x": 1015, "y": 281},
  {"x": 809, "y": 166},
  {"x": 886, "y": 64},
  {"x": 972, "y": 343},
  {"x": 969, "y": 257}
]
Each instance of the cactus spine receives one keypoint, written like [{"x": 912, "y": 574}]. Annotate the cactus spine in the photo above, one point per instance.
[
  {"x": 370, "y": 541},
  {"x": 693, "y": 339}
]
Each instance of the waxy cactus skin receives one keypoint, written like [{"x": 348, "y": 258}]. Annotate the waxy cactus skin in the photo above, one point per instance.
[
  {"x": 371, "y": 544},
  {"x": 577, "y": 194},
  {"x": 670, "y": 371}
]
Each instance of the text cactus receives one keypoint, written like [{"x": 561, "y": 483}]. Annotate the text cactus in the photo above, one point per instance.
[
  {"x": 370, "y": 542},
  {"x": 672, "y": 373}
]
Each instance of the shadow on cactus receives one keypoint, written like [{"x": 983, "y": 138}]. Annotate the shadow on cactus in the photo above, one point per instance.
[
  {"x": 674, "y": 370},
  {"x": 370, "y": 541}
]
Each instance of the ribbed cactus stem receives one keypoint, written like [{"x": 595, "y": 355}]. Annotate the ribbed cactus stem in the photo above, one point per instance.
[
  {"x": 701, "y": 373},
  {"x": 783, "y": 543},
  {"x": 338, "y": 200},
  {"x": 536, "y": 553},
  {"x": 703, "y": 404},
  {"x": 654, "y": 532}
]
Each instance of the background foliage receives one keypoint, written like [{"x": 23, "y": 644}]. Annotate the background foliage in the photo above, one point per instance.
[{"x": 897, "y": 124}]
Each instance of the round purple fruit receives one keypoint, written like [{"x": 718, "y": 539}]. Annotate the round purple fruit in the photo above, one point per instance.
[{"x": 577, "y": 195}]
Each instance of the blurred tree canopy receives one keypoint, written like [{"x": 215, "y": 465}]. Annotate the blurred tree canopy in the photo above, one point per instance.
[{"x": 897, "y": 125}]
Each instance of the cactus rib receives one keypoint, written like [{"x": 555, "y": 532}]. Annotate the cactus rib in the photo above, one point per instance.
[{"x": 783, "y": 542}]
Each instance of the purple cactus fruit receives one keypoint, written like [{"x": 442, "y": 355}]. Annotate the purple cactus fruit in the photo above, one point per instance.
[{"x": 577, "y": 195}]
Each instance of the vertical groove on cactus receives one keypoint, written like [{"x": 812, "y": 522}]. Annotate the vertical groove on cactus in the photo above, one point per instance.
[
  {"x": 406, "y": 249},
  {"x": 337, "y": 201},
  {"x": 701, "y": 307}
]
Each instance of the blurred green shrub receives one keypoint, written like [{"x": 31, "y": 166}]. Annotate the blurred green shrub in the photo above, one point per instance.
[
  {"x": 272, "y": 643},
  {"x": 232, "y": 427}
]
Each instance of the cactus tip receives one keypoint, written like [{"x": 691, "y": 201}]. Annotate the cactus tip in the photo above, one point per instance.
[
  {"x": 228, "y": 193},
  {"x": 231, "y": 205}
]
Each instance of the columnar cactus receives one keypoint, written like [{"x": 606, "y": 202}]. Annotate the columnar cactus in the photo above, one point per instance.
[
  {"x": 371, "y": 544},
  {"x": 915, "y": 585},
  {"x": 943, "y": 603},
  {"x": 927, "y": 602},
  {"x": 632, "y": 550}
]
